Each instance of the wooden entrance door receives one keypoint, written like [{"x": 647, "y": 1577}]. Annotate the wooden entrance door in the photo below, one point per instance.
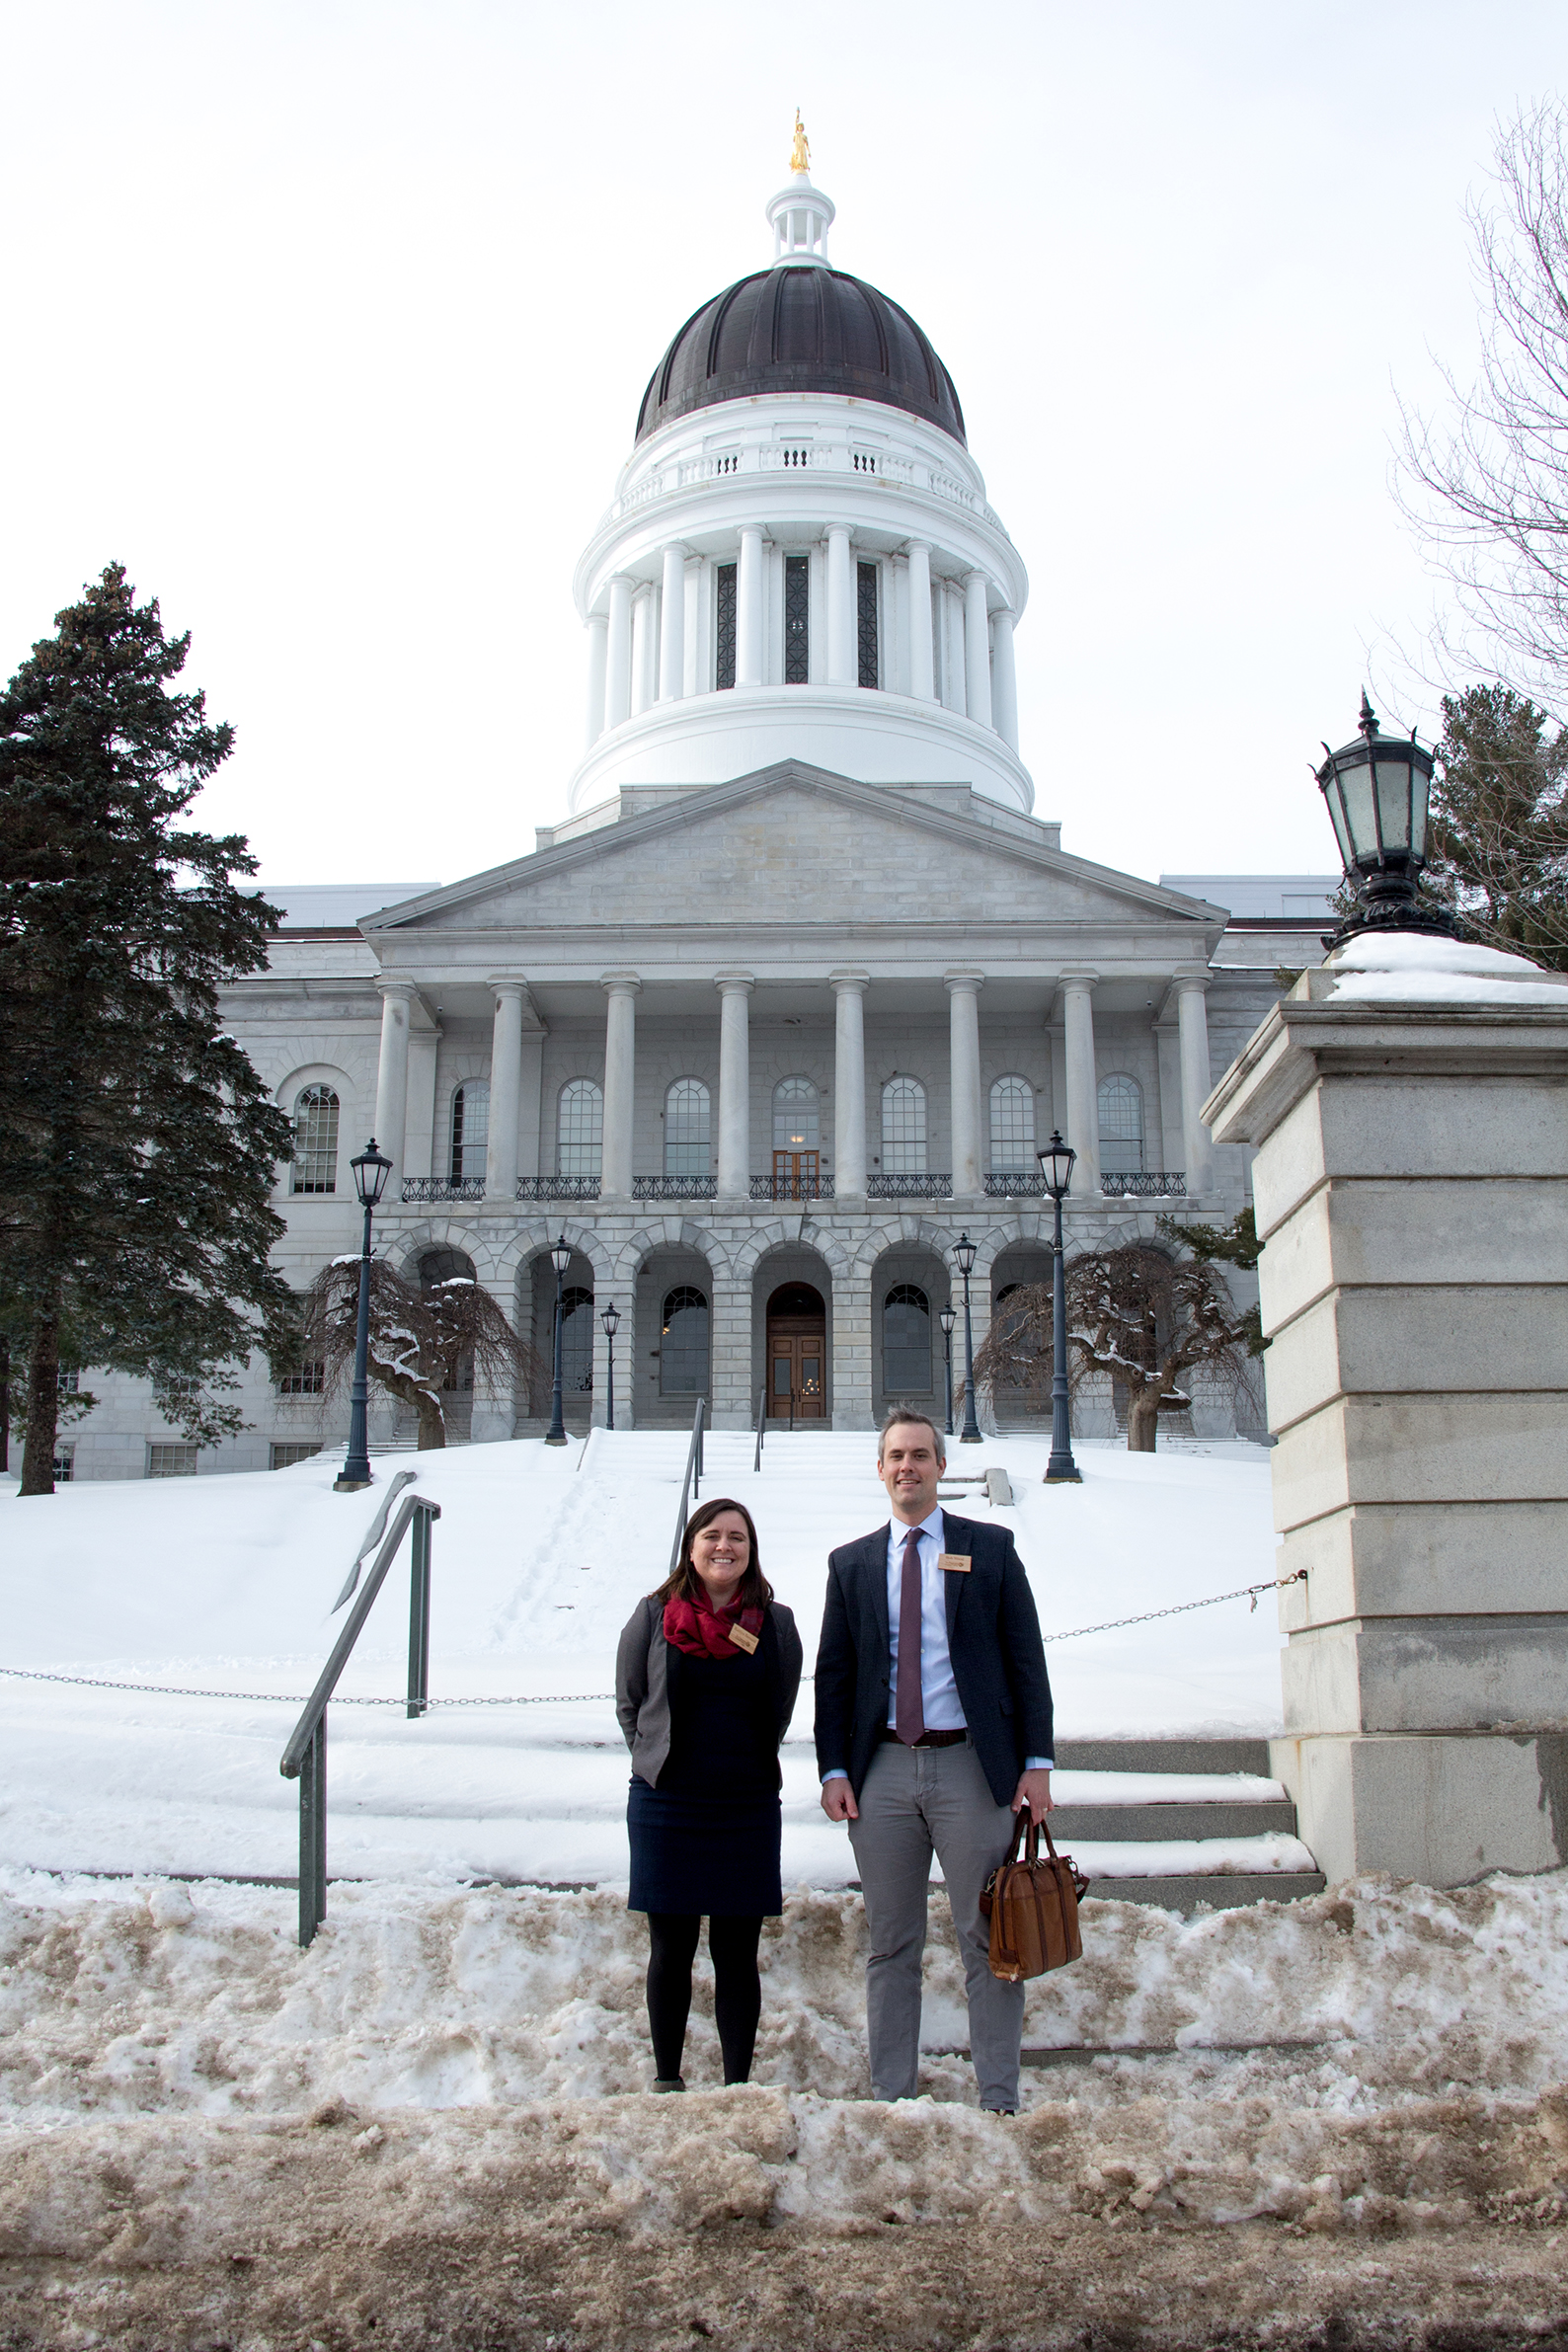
[
  {"x": 796, "y": 1354},
  {"x": 795, "y": 1175}
]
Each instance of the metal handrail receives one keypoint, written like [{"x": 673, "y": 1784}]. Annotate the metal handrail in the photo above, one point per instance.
[
  {"x": 306, "y": 1758},
  {"x": 761, "y": 1423},
  {"x": 690, "y": 1485}
]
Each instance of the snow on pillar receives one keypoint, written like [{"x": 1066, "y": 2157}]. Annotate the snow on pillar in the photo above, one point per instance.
[
  {"x": 849, "y": 1083},
  {"x": 976, "y": 651},
  {"x": 620, "y": 1070},
  {"x": 618, "y": 653},
  {"x": 735, "y": 1086},
  {"x": 963, "y": 989}
]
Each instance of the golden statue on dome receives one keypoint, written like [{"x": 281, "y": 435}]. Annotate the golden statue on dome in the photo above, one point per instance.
[{"x": 800, "y": 153}]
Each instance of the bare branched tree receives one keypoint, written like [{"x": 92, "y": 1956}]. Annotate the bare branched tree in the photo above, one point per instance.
[
  {"x": 1486, "y": 486},
  {"x": 1134, "y": 1312},
  {"x": 421, "y": 1341}
]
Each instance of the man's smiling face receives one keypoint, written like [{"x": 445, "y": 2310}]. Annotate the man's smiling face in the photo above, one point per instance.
[{"x": 909, "y": 1464}]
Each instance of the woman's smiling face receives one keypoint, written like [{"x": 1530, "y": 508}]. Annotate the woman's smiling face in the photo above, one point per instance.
[{"x": 720, "y": 1553}]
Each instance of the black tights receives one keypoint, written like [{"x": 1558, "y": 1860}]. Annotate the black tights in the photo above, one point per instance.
[{"x": 736, "y": 1987}]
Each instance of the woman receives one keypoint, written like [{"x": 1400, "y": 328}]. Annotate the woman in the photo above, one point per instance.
[{"x": 705, "y": 1679}]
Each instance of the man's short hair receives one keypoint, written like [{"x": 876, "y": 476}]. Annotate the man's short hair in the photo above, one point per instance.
[{"x": 898, "y": 1413}]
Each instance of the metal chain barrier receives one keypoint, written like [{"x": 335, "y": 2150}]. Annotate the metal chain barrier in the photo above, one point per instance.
[{"x": 578, "y": 1698}]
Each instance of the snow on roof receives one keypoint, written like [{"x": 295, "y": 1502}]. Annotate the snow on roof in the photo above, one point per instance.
[
  {"x": 335, "y": 905},
  {"x": 1415, "y": 968}
]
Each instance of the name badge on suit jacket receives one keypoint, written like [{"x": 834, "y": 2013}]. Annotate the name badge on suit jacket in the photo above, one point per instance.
[
  {"x": 744, "y": 1640},
  {"x": 955, "y": 1562}
]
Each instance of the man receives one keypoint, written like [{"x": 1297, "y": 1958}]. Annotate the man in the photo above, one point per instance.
[{"x": 933, "y": 1727}]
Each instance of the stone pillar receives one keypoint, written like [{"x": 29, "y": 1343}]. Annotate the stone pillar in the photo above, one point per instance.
[
  {"x": 599, "y": 629},
  {"x": 621, "y": 1073},
  {"x": 963, "y": 989},
  {"x": 952, "y": 609},
  {"x": 735, "y": 1092},
  {"x": 1192, "y": 1018},
  {"x": 505, "y": 1082},
  {"x": 749, "y": 609},
  {"x": 849, "y": 1084},
  {"x": 733, "y": 1397},
  {"x": 977, "y": 650},
  {"x": 693, "y": 679},
  {"x": 1083, "y": 1092},
  {"x": 418, "y": 1123},
  {"x": 843, "y": 669},
  {"x": 851, "y": 1344},
  {"x": 642, "y": 649},
  {"x": 1004, "y": 680},
  {"x": 392, "y": 1080},
  {"x": 922, "y": 683},
  {"x": 673, "y": 627},
  {"x": 529, "y": 1104},
  {"x": 618, "y": 653},
  {"x": 1411, "y": 1189}
]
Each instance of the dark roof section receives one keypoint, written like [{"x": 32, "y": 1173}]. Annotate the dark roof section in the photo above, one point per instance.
[{"x": 795, "y": 329}]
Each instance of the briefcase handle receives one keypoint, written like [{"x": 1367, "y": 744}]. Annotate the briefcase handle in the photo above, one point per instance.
[{"x": 1026, "y": 1833}]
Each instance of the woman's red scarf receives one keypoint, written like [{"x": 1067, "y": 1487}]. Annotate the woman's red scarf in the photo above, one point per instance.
[{"x": 702, "y": 1631}]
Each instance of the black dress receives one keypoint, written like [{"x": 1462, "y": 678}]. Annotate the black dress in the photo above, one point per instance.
[{"x": 706, "y": 1840}]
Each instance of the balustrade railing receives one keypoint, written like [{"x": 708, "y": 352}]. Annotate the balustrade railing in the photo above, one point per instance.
[
  {"x": 1015, "y": 1184},
  {"x": 558, "y": 1188},
  {"x": 932, "y": 1185},
  {"x": 443, "y": 1188},
  {"x": 792, "y": 1188},
  {"x": 1145, "y": 1184},
  {"x": 674, "y": 1188}
]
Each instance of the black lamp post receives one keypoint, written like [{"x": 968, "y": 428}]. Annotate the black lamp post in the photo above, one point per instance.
[
  {"x": 1376, "y": 789},
  {"x": 1056, "y": 1166},
  {"x": 370, "y": 1172},
  {"x": 560, "y": 1259},
  {"x": 947, "y": 1318},
  {"x": 612, "y": 1321},
  {"x": 965, "y": 1253}
]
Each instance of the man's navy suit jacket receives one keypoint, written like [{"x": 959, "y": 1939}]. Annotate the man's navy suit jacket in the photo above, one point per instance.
[{"x": 994, "y": 1638}]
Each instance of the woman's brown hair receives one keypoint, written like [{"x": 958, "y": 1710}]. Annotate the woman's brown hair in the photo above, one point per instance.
[{"x": 684, "y": 1584}]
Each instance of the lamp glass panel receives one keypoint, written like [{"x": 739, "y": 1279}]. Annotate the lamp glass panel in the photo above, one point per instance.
[
  {"x": 1347, "y": 847},
  {"x": 1394, "y": 802},
  {"x": 1356, "y": 785}
]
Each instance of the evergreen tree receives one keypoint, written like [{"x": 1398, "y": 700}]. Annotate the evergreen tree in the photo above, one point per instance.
[
  {"x": 1498, "y": 830},
  {"x": 138, "y": 1148}
]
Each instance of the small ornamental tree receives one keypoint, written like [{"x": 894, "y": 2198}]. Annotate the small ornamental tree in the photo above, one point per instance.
[
  {"x": 1136, "y": 1313},
  {"x": 421, "y": 1341},
  {"x": 139, "y": 1146}
]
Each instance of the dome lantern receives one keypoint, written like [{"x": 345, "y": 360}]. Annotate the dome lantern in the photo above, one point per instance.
[{"x": 800, "y": 215}]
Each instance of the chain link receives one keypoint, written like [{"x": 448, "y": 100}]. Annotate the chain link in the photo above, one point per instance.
[{"x": 1180, "y": 1608}]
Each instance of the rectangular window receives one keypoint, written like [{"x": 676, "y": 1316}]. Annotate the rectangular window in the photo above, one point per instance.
[
  {"x": 866, "y": 614},
  {"x": 285, "y": 1455},
  {"x": 70, "y": 1380},
  {"x": 171, "y": 1461},
  {"x": 65, "y": 1465},
  {"x": 724, "y": 607},
  {"x": 305, "y": 1380},
  {"x": 797, "y": 621}
]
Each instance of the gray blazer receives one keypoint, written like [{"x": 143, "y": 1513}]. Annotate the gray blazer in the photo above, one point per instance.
[{"x": 642, "y": 1681}]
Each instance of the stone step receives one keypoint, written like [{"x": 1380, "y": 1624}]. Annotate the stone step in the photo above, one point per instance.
[
  {"x": 1164, "y": 1756},
  {"x": 1216, "y": 1817},
  {"x": 1221, "y": 1891}
]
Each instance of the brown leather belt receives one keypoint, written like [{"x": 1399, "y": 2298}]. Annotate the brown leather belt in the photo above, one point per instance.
[{"x": 930, "y": 1738}]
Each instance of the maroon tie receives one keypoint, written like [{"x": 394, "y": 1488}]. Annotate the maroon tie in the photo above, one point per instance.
[{"x": 910, "y": 1713}]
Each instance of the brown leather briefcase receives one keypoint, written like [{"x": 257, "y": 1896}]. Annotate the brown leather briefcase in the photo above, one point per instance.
[{"x": 1033, "y": 1907}]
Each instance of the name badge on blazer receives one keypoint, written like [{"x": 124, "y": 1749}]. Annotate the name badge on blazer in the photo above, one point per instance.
[
  {"x": 742, "y": 1640},
  {"x": 957, "y": 1561}
]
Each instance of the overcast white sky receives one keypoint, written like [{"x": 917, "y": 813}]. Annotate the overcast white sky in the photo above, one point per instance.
[{"x": 331, "y": 322}]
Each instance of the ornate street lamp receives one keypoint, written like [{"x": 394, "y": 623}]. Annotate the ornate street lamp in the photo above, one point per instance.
[
  {"x": 612, "y": 1321},
  {"x": 947, "y": 1318},
  {"x": 1056, "y": 1166},
  {"x": 370, "y": 1171},
  {"x": 965, "y": 1254},
  {"x": 1376, "y": 789},
  {"x": 560, "y": 1259}
]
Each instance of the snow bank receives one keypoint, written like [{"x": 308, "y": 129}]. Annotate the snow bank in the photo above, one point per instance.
[{"x": 1410, "y": 968}]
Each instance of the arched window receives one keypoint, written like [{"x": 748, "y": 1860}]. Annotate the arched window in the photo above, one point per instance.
[
  {"x": 906, "y": 1342},
  {"x": 580, "y": 1131},
  {"x": 797, "y": 1120},
  {"x": 577, "y": 1340},
  {"x": 683, "y": 1343},
  {"x": 686, "y": 1129},
  {"x": 316, "y": 1141},
  {"x": 470, "y": 1130},
  {"x": 904, "y": 1128},
  {"x": 1012, "y": 1127},
  {"x": 1120, "y": 1127}
]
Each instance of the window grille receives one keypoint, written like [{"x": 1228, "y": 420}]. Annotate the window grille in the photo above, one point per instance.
[
  {"x": 470, "y": 1130},
  {"x": 683, "y": 1343},
  {"x": 283, "y": 1456},
  {"x": 797, "y": 1120},
  {"x": 686, "y": 1129},
  {"x": 866, "y": 613},
  {"x": 576, "y": 1341},
  {"x": 797, "y": 621},
  {"x": 904, "y": 1128},
  {"x": 65, "y": 1465},
  {"x": 307, "y": 1378},
  {"x": 316, "y": 1141},
  {"x": 906, "y": 1341},
  {"x": 1120, "y": 1127},
  {"x": 171, "y": 1461},
  {"x": 723, "y": 622},
  {"x": 579, "y": 1132},
  {"x": 1013, "y": 1127}
]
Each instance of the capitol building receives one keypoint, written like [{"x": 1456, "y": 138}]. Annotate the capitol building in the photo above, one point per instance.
[{"x": 783, "y": 1004}]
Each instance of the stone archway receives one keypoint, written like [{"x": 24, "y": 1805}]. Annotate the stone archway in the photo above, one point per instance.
[{"x": 792, "y": 1326}]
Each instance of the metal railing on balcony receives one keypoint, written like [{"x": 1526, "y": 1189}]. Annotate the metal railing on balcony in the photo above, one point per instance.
[
  {"x": 792, "y": 1188},
  {"x": 929, "y": 1185},
  {"x": 558, "y": 1188},
  {"x": 674, "y": 1188},
  {"x": 443, "y": 1188},
  {"x": 1144, "y": 1184},
  {"x": 1015, "y": 1184}
]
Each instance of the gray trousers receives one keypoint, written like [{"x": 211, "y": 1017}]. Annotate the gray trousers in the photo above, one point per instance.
[{"x": 915, "y": 1799}]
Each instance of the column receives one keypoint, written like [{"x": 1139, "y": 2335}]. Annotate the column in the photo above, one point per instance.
[
  {"x": 1083, "y": 1095},
  {"x": 419, "y": 1123},
  {"x": 774, "y": 665},
  {"x": 673, "y": 627},
  {"x": 895, "y": 667},
  {"x": 692, "y": 680},
  {"x": 976, "y": 651},
  {"x": 530, "y": 1088},
  {"x": 642, "y": 649},
  {"x": 1191, "y": 1019},
  {"x": 392, "y": 1079},
  {"x": 505, "y": 1083},
  {"x": 618, "y": 653},
  {"x": 849, "y": 1083},
  {"x": 922, "y": 683},
  {"x": 842, "y": 667},
  {"x": 734, "y": 1087},
  {"x": 749, "y": 609},
  {"x": 952, "y": 610},
  {"x": 620, "y": 1071},
  {"x": 963, "y": 989},
  {"x": 1004, "y": 680},
  {"x": 599, "y": 629}
]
